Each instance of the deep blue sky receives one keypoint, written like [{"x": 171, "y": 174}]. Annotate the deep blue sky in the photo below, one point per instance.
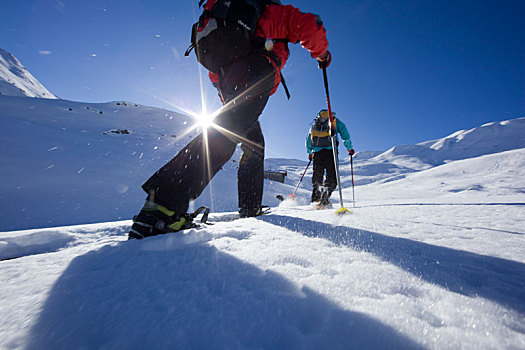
[{"x": 403, "y": 71}]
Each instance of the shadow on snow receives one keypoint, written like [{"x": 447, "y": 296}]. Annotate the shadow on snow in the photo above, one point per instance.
[
  {"x": 496, "y": 279},
  {"x": 152, "y": 294},
  {"x": 451, "y": 204}
]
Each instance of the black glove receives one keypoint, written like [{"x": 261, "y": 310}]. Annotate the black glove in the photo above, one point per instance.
[
  {"x": 310, "y": 156},
  {"x": 351, "y": 152},
  {"x": 325, "y": 59}
]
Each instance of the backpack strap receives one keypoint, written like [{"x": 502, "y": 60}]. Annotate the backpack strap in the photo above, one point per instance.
[
  {"x": 280, "y": 72},
  {"x": 259, "y": 48},
  {"x": 284, "y": 85},
  {"x": 278, "y": 62}
]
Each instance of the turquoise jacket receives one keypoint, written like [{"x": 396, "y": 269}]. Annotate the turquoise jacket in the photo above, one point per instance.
[{"x": 340, "y": 128}]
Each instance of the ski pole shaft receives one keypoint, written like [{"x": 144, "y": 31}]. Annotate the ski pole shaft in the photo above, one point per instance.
[
  {"x": 336, "y": 164},
  {"x": 352, "y": 171},
  {"x": 296, "y": 187},
  {"x": 325, "y": 77},
  {"x": 333, "y": 136}
]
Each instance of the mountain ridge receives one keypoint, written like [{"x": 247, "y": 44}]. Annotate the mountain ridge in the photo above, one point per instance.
[{"x": 16, "y": 80}]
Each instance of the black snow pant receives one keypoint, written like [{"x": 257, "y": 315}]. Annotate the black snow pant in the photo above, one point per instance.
[
  {"x": 245, "y": 87},
  {"x": 323, "y": 161}
]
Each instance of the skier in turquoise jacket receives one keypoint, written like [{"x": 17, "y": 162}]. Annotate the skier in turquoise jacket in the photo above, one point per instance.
[{"x": 319, "y": 148}]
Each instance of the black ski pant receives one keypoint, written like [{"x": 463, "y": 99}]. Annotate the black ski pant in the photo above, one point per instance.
[
  {"x": 323, "y": 161},
  {"x": 245, "y": 86}
]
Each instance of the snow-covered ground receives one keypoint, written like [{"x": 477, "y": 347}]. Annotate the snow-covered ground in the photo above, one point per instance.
[
  {"x": 419, "y": 271},
  {"x": 432, "y": 255}
]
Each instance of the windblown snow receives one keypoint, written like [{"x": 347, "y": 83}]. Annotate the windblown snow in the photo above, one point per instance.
[{"x": 431, "y": 255}]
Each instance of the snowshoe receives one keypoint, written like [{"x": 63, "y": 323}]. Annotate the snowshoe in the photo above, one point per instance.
[
  {"x": 323, "y": 205},
  {"x": 154, "y": 219},
  {"x": 249, "y": 213}
]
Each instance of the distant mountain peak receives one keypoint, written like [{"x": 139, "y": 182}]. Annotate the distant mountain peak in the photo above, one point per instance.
[
  {"x": 15, "y": 79},
  {"x": 489, "y": 138}
]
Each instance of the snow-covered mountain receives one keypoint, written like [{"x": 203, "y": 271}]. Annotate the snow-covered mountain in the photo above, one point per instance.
[
  {"x": 69, "y": 163},
  {"x": 399, "y": 161},
  {"x": 15, "y": 80},
  {"x": 487, "y": 139}
]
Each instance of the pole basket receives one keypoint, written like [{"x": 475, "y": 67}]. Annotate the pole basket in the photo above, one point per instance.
[{"x": 343, "y": 211}]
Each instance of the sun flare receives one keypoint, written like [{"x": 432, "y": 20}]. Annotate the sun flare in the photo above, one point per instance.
[{"x": 205, "y": 120}]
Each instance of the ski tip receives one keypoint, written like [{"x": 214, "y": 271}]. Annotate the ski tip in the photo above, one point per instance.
[{"x": 343, "y": 211}]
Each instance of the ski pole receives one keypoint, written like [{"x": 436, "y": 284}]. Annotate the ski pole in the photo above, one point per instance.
[
  {"x": 352, "y": 171},
  {"x": 292, "y": 195},
  {"x": 333, "y": 137}
]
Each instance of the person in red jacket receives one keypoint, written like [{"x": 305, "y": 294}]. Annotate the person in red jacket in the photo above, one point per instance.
[{"x": 244, "y": 87}]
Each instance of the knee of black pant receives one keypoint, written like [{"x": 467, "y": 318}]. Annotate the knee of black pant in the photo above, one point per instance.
[{"x": 252, "y": 157}]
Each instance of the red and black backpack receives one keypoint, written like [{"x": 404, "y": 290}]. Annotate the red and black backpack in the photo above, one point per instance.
[{"x": 225, "y": 31}]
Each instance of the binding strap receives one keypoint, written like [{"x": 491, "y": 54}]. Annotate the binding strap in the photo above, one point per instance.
[{"x": 204, "y": 218}]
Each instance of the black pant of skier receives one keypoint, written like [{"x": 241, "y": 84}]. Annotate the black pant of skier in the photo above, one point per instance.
[
  {"x": 245, "y": 87},
  {"x": 322, "y": 188}
]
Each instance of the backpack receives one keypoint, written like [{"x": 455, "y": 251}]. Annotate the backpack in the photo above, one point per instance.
[
  {"x": 320, "y": 132},
  {"x": 225, "y": 31}
]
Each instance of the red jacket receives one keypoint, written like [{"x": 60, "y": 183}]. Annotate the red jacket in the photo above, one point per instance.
[{"x": 287, "y": 22}]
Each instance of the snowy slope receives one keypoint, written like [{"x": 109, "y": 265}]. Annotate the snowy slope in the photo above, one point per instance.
[
  {"x": 493, "y": 178},
  {"x": 68, "y": 162},
  {"x": 431, "y": 256},
  {"x": 398, "y": 161},
  {"x": 15, "y": 80},
  {"x": 52, "y": 146},
  {"x": 487, "y": 139}
]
